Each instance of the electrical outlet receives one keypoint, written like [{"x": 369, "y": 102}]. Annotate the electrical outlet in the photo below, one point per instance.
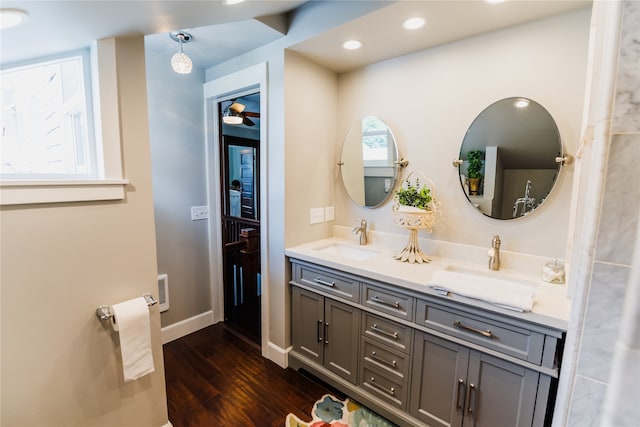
[
  {"x": 329, "y": 213},
  {"x": 316, "y": 215},
  {"x": 199, "y": 212}
]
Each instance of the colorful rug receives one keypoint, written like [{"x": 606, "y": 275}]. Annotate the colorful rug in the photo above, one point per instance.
[{"x": 333, "y": 412}]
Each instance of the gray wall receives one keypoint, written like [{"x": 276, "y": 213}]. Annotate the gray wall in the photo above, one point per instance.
[{"x": 176, "y": 122}]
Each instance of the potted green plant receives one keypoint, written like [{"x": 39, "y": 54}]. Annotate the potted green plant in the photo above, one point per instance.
[
  {"x": 474, "y": 171},
  {"x": 415, "y": 208},
  {"x": 414, "y": 195}
]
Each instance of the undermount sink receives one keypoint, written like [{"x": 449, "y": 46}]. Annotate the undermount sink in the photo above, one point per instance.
[
  {"x": 491, "y": 275},
  {"x": 496, "y": 287},
  {"x": 347, "y": 251}
]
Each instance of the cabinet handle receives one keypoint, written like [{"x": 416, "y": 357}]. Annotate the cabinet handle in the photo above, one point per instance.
[
  {"x": 324, "y": 282},
  {"x": 326, "y": 333},
  {"x": 379, "y": 300},
  {"x": 459, "y": 404},
  {"x": 318, "y": 330},
  {"x": 390, "y": 391},
  {"x": 375, "y": 328},
  {"x": 471, "y": 404},
  {"x": 487, "y": 333},
  {"x": 375, "y": 357}
]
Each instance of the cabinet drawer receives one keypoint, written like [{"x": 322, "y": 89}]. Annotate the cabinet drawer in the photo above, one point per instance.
[
  {"x": 341, "y": 286},
  {"x": 381, "y": 359},
  {"x": 386, "y": 331},
  {"x": 490, "y": 333},
  {"x": 384, "y": 387},
  {"x": 388, "y": 301}
]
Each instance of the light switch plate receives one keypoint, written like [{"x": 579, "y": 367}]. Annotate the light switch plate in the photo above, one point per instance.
[
  {"x": 329, "y": 213},
  {"x": 199, "y": 212},
  {"x": 316, "y": 215}
]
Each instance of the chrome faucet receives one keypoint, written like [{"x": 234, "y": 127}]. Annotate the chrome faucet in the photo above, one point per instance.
[
  {"x": 494, "y": 254},
  {"x": 362, "y": 230}
]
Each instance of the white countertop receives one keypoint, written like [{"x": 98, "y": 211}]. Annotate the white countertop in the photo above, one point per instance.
[{"x": 551, "y": 308}]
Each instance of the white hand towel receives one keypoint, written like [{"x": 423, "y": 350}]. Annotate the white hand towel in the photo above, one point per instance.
[
  {"x": 131, "y": 320},
  {"x": 502, "y": 293}
]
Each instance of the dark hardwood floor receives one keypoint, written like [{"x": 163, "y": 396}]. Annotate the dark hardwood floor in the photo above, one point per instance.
[{"x": 216, "y": 378}]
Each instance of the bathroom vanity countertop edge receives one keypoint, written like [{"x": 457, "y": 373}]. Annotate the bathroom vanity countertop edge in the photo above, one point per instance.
[{"x": 551, "y": 309}]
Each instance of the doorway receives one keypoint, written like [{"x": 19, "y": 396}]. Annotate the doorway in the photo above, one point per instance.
[{"x": 239, "y": 145}]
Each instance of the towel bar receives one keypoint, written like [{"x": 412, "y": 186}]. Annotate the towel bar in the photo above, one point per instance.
[{"x": 104, "y": 311}]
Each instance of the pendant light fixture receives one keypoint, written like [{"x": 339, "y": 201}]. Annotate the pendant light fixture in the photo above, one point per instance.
[
  {"x": 180, "y": 62},
  {"x": 232, "y": 115}
]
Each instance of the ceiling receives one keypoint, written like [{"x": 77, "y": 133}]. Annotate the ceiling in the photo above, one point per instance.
[
  {"x": 60, "y": 26},
  {"x": 222, "y": 32},
  {"x": 447, "y": 20}
]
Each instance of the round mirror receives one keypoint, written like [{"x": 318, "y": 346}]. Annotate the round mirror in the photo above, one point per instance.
[
  {"x": 508, "y": 158},
  {"x": 369, "y": 162}
]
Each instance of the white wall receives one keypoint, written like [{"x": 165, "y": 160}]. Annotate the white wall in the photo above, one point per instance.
[
  {"x": 176, "y": 121},
  {"x": 445, "y": 88},
  {"x": 60, "y": 367}
]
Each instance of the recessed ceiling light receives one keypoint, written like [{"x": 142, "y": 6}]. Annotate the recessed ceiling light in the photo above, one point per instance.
[
  {"x": 413, "y": 23},
  {"x": 521, "y": 103},
  {"x": 230, "y": 2},
  {"x": 11, "y": 17},
  {"x": 494, "y": 1},
  {"x": 352, "y": 44}
]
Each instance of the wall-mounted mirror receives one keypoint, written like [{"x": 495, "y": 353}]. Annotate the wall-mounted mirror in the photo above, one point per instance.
[
  {"x": 369, "y": 162},
  {"x": 510, "y": 158}
]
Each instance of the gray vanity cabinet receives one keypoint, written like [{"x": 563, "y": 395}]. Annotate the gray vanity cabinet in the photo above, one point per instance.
[
  {"x": 457, "y": 386},
  {"x": 327, "y": 332},
  {"x": 421, "y": 359}
]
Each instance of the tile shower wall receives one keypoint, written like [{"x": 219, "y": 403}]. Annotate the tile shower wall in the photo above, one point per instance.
[{"x": 616, "y": 236}]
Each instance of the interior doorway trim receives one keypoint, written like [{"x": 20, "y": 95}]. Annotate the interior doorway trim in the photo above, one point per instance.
[{"x": 247, "y": 80}]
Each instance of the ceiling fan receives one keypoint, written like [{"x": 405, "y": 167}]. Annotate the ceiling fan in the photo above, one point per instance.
[{"x": 235, "y": 114}]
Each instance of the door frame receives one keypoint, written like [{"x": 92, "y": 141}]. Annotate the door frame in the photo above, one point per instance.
[{"x": 249, "y": 80}]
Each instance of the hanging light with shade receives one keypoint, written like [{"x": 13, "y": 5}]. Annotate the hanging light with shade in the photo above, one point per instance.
[
  {"x": 232, "y": 115},
  {"x": 180, "y": 62}
]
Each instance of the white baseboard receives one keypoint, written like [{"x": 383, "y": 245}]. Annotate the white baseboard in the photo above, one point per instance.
[
  {"x": 278, "y": 355},
  {"x": 187, "y": 326}
]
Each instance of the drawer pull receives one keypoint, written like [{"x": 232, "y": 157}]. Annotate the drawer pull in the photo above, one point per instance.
[
  {"x": 390, "y": 391},
  {"x": 324, "y": 282},
  {"x": 379, "y": 300},
  {"x": 487, "y": 333},
  {"x": 375, "y": 328},
  {"x": 377, "y": 358}
]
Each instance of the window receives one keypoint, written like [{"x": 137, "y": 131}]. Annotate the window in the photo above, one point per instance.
[
  {"x": 75, "y": 158},
  {"x": 46, "y": 121},
  {"x": 375, "y": 147}
]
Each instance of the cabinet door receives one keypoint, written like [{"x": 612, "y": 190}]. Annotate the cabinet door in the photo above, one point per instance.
[
  {"x": 308, "y": 324},
  {"x": 342, "y": 336},
  {"x": 439, "y": 381},
  {"x": 499, "y": 393}
]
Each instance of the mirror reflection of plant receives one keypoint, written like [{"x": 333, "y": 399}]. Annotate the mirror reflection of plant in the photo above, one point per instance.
[
  {"x": 414, "y": 195},
  {"x": 474, "y": 169}
]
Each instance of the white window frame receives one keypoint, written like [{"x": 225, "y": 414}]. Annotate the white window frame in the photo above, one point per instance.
[
  {"x": 109, "y": 183},
  {"x": 380, "y": 163}
]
